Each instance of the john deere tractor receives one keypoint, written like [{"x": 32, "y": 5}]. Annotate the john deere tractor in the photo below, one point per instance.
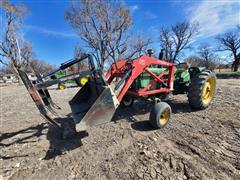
[
  {"x": 144, "y": 78},
  {"x": 70, "y": 83},
  {"x": 197, "y": 82}
]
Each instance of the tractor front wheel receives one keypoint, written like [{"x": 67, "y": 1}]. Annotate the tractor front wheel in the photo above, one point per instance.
[
  {"x": 201, "y": 90},
  {"x": 160, "y": 115},
  {"x": 127, "y": 101}
]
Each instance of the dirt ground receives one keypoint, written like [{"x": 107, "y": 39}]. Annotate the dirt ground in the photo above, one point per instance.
[{"x": 194, "y": 145}]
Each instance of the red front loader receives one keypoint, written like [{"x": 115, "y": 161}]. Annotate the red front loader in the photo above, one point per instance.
[{"x": 96, "y": 102}]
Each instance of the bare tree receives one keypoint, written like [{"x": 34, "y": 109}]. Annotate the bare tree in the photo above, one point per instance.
[
  {"x": 35, "y": 65},
  {"x": 193, "y": 61},
  {"x": 102, "y": 25},
  {"x": 78, "y": 53},
  {"x": 26, "y": 56},
  {"x": 221, "y": 63},
  {"x": 167, "y": 43},
  {"x": 207, "y": 56},
  {"x": 230, "y": 41},
  {"x": 11, "y": 44},
  {"x": 40, "y": 66},
  {"x": 15, "y": 52},
  {"x": 138, "y": 46},
  {"x": 177, "y": 38}
]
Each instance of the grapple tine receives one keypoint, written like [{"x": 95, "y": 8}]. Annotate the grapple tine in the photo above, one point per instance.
[
  {"x": 47, "y": 100},
  {"x": 35, "y": 97},
  {"x": 55, "y": 105},
  {"x": 50, "y": 120},
  {"x": 50, "y": 109}
]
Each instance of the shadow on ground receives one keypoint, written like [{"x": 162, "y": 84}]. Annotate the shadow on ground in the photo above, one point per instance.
[
  {"x": 180, "y": 107},
  {"x": 142, "y": 126},
  {"x": 58, "y": 144},
  {"x": 33, "y": 131},
  {"x": 128, "y": 113},
  {"x": 22, "y": 136},
  {"x": 54, "y": 134},
  {"x": 140, "y": 108},
  {"x": 64, "y": 138}
]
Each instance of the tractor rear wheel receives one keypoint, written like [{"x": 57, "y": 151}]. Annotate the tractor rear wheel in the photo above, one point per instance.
[
  {"x": 61, "y": 86},
  {"x": 160, "y": 115},
  {"x": 81, "y": 81},
  {"x": 201, "y": 90}
]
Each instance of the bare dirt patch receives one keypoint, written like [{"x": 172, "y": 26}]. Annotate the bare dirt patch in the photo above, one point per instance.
[{"x": 194, "y": 145}]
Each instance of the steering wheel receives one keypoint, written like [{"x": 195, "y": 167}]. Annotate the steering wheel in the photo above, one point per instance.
[
  {"x": 178, "y": 62},
  {"x": 183, "y": 65}
]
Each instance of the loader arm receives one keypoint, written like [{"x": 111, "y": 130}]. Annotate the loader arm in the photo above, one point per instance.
[{"x": 137, "y": 67}]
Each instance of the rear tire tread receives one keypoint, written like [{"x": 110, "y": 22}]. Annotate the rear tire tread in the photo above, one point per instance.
[{"x": 195, "y": 89}]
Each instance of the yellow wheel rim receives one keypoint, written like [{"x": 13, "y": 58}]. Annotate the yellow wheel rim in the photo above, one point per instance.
[
  {"x": 61, "y": 86},
  {"x": 208, "y": 91},
  {"x": 164, "y": 117},
  {"x": 83, "y": 80}
]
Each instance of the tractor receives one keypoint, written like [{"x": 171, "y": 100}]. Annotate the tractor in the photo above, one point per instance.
[
  {"x": 144, "y": 78},
  {"x": 71, "y": 83}
]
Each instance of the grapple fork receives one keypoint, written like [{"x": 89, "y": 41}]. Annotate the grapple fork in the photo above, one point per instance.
[
  {"x": 94, "y": 104},
  {"x": 40, "y": 102}
]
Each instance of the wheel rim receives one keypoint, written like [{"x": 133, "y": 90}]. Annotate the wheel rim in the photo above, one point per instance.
[
  {"x": 127, "y": 101},
  {"x": 164, "y": 117},
  {"x": 208, "y": 90},
  {"x": 83, "y": 80},
  {"x": 61, "y": 86}
]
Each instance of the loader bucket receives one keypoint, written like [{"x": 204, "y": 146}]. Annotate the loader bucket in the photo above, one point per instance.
[{"x": 94, "y": 104}]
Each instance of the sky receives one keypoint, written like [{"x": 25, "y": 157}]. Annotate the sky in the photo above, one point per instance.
[{"x": 53, "y": 39}]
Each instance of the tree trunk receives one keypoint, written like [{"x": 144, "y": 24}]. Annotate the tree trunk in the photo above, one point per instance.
[{"x": 235, "y": 63}]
